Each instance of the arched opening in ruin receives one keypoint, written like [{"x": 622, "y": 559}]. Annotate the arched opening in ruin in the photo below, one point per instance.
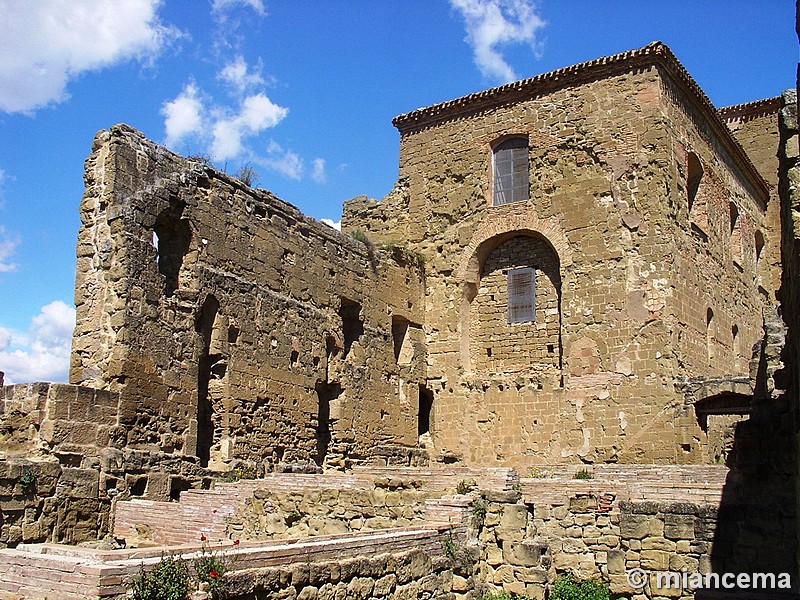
[
  {"x": 694, "y": 173},
  {"x": 211, "y": 366},
  {"x": 514, "y": 306},
  {"x": 758, "y": 244},
  {"x": 326, "y": 393},
  {"x": 698, "y": 214},
  {"x": 736, "y": 235},
  {"x": 352, "y": 323},
  {"x": 172, "y": 237}
]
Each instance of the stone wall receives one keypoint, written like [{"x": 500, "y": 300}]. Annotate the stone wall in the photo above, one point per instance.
[
  {"x": 648, "y": 293},
  {"x": 64, "y": 459},
  {"x": 400, "y": 563},
  {"x": 234, "y": 328}
]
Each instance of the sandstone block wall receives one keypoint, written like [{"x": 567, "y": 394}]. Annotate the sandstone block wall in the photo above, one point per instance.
[
  {"x": 652, "y": 286},
  {"x": 234, "y": 328}
]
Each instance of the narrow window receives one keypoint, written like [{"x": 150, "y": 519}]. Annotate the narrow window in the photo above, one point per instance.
[
  {"x": 425, "y": 409},
  {"x": 710, "y": 335},
  {"x": 521, "y": 283},
  {"x": 510, "y": 171},
  {"x": 693, "y": 177},
  {"x": 352, "y": 324},
  {"x": 759, "y": 244}
]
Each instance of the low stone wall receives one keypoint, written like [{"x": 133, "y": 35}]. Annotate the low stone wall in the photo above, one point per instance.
[
  {"x": 283, "y": 505},
  {"x": 398, "y": 563}
]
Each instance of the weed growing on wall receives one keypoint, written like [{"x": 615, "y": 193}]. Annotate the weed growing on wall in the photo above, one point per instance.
[
  {"x": 566, "y": 588},
  {"x": 169, "y": 580},
  {"x": 27, "y": 482}
]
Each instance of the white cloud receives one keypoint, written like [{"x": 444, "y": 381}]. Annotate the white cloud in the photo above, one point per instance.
[
  {"x": 183, "y": 115},
  {"x": 318, "y": 170},
  {"x": 8, "y": 243},
  {"x": 48, "y": 42},
  {"x": 238, "y": 75},
  {"x": 283, "y": 161},
  {"x": 256, "y": 114},
  {"x": 41, "y": 354},
  {"x": 491, "y": 23},
  {"x": 337, "y": 225},
  {"x": 223, "y": 5}
]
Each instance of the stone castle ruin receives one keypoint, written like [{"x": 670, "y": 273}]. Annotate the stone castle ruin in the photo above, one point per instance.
[{"x": 581, "y": 271}]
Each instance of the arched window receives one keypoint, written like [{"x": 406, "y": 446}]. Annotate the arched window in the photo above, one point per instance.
[
  {"x": 759, "y": 244},
  {"x": 693, "y": 176},
  {"x": 510, "y": 171},
  {"x": 736, "y": 234},
  {"x": 698, "y": 214},
  {"x": 710, "y": 335},
  {"x": 515, "y": 316}
]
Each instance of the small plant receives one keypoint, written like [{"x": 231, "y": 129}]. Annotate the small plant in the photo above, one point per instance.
[
  {"x": 247, "y": 175},
  {"x": 241, "y": 472},
  {"x": 209, "y": 567},
  {"x": 451, "y": 547},
  {"x": 479, "y": 512},
  {"x": 27, "y": 481},
  {"x": 499, "y": 595},
  {"x": 465, "y": 486},
  {"x": 360, "y": 235},
  {"x": 584, "y": 474},
  {"x": 169, "y": 580},
  {"x": 202, "y": 158},
  {"x": 540, "y": 473},
  {"x": 517, "y": 487},
  {"x": 566, "y": 588}
]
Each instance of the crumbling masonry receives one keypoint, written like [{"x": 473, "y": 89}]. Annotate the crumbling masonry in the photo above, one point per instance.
[{"x": 582, "y": 268}]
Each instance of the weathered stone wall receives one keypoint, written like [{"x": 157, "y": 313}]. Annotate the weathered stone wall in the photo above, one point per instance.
[
  {"x": 406, "y": 563},
  {"x": 63, "y": 460},
  {"x": 755, "y": 127},
  {"x": 233, "y": 327},
  {"x": 280, "y": 515},
  {"x": 644, "y": 301}
]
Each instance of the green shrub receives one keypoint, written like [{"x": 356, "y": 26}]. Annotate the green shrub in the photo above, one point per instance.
[
  {"x": 169, "y": 580},
  {"x": 584, "y": 474},
  {"x": 479, "y": 512},
  {"x": 27, "y": 482},
  {"x": 566, "y": 588},
  {"x": 500, "y": 595},
  {"x": 450, "y": 547}
]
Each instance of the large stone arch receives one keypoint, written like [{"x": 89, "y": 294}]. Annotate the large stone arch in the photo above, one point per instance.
[{"x": 493, "y": 233}]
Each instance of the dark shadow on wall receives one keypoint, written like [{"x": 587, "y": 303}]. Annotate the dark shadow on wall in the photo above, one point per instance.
[{"x": 755, "y": 528}]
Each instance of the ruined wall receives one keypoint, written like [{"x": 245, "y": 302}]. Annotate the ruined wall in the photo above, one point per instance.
[
  {"x": 608, "y": 192},
  {"x": 755, "y": 127},
  {"x": 63, "y": 460},
  {"x": 233, "y": 327}
]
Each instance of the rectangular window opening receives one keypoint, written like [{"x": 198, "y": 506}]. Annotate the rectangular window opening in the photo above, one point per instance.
[{"x": 521, "y": 295}]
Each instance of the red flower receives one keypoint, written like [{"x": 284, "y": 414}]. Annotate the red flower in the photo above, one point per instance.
[
  {"x": 235, "y": 542},
  {"x": 203, "y": 538},
  {"x": 214, "y": 511},
  {"x": 213, "y": 574}
]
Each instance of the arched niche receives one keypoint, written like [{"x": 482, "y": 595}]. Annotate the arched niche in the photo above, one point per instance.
[{"x": 500, "y": 270}]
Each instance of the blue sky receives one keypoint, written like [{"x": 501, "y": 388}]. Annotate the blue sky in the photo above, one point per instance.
[{"x": 302, "y": 90}]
